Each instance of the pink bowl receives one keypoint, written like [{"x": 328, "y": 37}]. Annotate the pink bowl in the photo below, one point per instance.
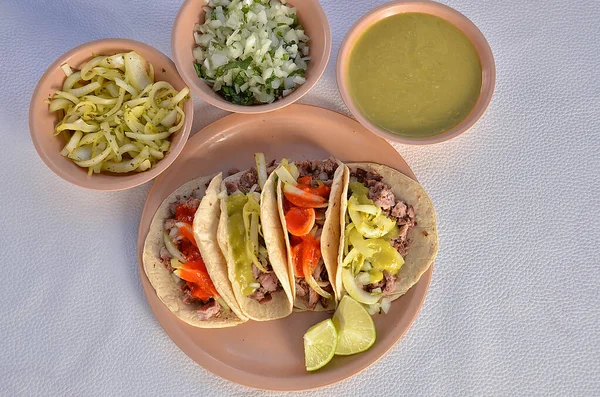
[
  {"x": 42, "y": 122},
  {"x": 488, "y": 67},
  {"x": 311, "y": 15}
]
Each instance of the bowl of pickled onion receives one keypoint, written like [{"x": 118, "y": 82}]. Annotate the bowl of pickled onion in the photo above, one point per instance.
[{"x": 110, "y": 114}]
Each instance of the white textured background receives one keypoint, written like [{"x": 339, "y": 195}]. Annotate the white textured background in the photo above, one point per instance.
[{"x": 514, "y": 305}]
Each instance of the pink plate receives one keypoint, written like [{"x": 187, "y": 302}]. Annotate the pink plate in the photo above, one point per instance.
[{"x": 269, "y": 355}]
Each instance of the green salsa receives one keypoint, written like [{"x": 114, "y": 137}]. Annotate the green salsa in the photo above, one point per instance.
[
  {"x": 414, "y": 74},
  {"x": 237, "y": 241},
  {"x": 386, "y": 257},
  {"x": 378, "y": 251}
]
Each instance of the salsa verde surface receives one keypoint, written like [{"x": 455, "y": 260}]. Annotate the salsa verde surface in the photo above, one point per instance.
[
  {"x": 237, "y": 240},
  {"x": 414, "y": 74}
]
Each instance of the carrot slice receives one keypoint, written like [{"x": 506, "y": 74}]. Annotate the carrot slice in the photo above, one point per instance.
[
  {"x": 311, "y": 253},
  {"x": 195, "y": 272},
  {"x": 321, "y": 190},
  {"x": 300, "y": 221},
  {"x": 198, "y": 292},
  {"x": 186, "y": 231},
  {"x": 301, "y": 198},
  {"x": 297, "y": 260},
  {"x": 295, "y": 240},
  {"x": 305, "y": 180}
]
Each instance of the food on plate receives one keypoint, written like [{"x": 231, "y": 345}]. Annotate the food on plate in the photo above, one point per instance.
[
  {"x": 350, "y": 331},
  {"x": 309, "y": 203},
  {"x": 251, "y": 52},
  {"x": 414, "y": 74},
  {"x": 256, "y": 258},
  {"x": 320, "y": 342},
  {"x": 192, "y": 285},
  {"x": 114, "y": 117},
  {"x": 355, "y": 327},
  {"x": 390, "y": 235}
]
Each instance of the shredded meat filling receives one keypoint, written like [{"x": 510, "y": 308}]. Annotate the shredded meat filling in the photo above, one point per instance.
[
  {"x": 231, "y": 187},
  {"x": 382, "y": 195},
  {"x": 309, "y": 295},
  {"x": 387, "y": 284},
  {"x": 313, "y": 299},
  {"x": 271, "y": 167},
  {"x": 209, "y": 310},
  {"x": 246, "y": 182},
  {"x": 165, "y": 257},
  {"x": 306, "y": 293},
  {"x": 397, "y": 210},
  {"x": 269, "y": 284},
  {"x": 321, "y": 170},
  {"x": 301, "y": 287},
  {"x": 390, "y": 283},
  {"x": 261, "y": 296}
]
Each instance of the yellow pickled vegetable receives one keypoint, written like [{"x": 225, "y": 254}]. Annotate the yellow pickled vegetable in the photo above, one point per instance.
[{"x": 115, "y": 118}]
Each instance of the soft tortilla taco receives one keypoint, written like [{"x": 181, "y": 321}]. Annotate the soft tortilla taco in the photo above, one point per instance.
[
  {"x": 309, "y": 203},
  {"x": 194, "y": 289},
  {"x": 390, "y": 235},
  {"x": 256, "y": 257}
]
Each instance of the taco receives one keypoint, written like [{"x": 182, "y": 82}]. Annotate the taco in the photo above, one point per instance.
[
  {"x": 390, "y": 235},
  {"x": 256, "y": 261},
  {"x": 309, "y": 202},
  {"x": 194, "y": 289}
]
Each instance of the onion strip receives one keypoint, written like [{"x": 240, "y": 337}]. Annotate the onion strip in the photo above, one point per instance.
[
  {"x": 129, "y": 166},
  {"x": 172, "y": 248},
  {"x": 73, "y": 143},
  {"x": 251, "y": 216},
  {"x": 147, "y": 137},
  {"x": 95, "y": 160},
  {"x": 261, "y": 168}
]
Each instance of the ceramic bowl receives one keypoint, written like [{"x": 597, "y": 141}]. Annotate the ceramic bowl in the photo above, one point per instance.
[
  {"x": 310, "y": 14},
  {"x": 488, "y": 68},
  {"x": 42, "y": 122}
]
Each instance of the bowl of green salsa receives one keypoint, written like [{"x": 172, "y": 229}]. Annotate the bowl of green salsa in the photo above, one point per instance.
[{"x": 416, "y": 72}]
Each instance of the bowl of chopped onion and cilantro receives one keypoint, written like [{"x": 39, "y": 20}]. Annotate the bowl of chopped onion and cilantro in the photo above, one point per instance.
[{"x": 251, "y": 56}]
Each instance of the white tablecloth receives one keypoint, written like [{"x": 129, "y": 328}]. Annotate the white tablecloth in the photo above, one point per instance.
[{"x": 514, "y": 304}]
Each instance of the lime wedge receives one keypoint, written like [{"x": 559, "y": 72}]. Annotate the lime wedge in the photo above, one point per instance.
[
  {"x": 320, "y": 342},
  {"x": 355, "y": 328}
]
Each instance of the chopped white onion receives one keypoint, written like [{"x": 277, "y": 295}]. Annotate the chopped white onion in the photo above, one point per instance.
[
  {"x": 363, "y": 278},
  {"x": 385, "y": 305},
  {"x": 251, "y": 51}
]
